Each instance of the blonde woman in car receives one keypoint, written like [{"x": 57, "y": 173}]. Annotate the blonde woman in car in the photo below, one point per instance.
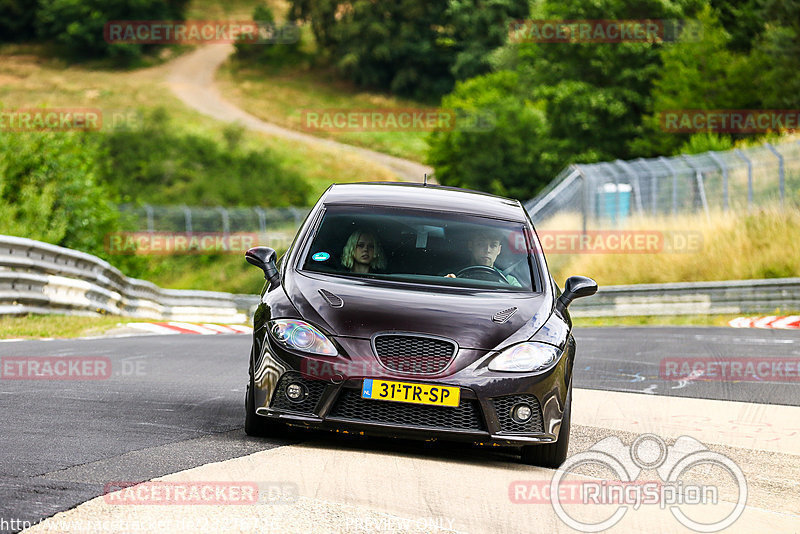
[{"x": 363, "y": 253}]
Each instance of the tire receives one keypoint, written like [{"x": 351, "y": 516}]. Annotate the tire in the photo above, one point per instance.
[
  {"x": 257, "y": 426},
  {"x": 552, "y": 454}
]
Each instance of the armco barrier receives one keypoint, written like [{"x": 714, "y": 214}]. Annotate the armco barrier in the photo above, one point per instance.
[
  {"x": 38, "y": 277},
  {"x": 692, "y": 298}
]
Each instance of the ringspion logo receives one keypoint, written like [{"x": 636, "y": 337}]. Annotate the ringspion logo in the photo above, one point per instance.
[{"x": 625, "y": 491}]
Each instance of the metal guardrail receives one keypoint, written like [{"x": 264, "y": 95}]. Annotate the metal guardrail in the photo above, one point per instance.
[
  {"x": 38, "y": 277},
  {"x": 692, "y": 298}
]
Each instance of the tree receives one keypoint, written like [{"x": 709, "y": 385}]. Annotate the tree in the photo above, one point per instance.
[
  {"x": 596, "y": 94},
  {"x": 705, "y": 74},
  {"x": 778, "y": 52},
  {"x": 515, "y": 157},
  {"x": 49, "y": 190},
  {"x": 416, "y": 48},
  {"x": 17, "y": 19},
  {"x": 77, "y": 25}
]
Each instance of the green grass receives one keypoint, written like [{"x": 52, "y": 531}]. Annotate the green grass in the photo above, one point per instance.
[
  {"x": 59, "y": 326},
  {"x": 226, "y": 9},
  {"x": 29, "y": 79},
  {"x": 280, "y": 95},
  {"x": 229, "y": 273},
  {"x": 657, "y": 320}
]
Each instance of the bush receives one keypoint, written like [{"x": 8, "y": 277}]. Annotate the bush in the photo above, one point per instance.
[
  {"x": 515, "y": 158},
  {"x": 17, "y": 19},
  {"x": 705, "y": 142},
  {"x": 415, "y": 48},
  {"x": 77, "y": 25},
  {"x": 285, "y": 50},
  {"x": 160, "y": 164},
  {"x": 49, "y": 191}
]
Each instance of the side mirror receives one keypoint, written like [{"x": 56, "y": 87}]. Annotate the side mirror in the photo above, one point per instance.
[
  {"x": 264, "y": 259},
  {"x": 576, "y": 287}
]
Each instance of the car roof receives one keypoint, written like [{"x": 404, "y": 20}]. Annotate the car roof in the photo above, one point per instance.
[{"x": 432, "y": 197}]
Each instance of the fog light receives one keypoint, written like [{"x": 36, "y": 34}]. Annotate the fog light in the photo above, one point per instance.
[
  {"x": 521, "y": 413},
  {"x": 295, "y": 392}
]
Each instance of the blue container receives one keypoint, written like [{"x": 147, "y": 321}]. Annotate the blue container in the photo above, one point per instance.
[{"x": 614, "y": 202}]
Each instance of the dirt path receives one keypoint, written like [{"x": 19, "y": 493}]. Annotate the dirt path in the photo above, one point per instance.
[{"x": 191, "y": 78}]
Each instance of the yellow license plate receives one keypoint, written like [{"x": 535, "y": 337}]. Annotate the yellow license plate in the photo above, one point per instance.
[{"x": 434, "y": 395}]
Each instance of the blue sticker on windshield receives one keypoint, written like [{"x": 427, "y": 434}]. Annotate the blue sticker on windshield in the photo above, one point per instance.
[{"x": 321, "y": 256}]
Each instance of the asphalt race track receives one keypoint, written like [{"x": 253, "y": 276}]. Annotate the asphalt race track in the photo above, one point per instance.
[{"x": 174, "y": 403}]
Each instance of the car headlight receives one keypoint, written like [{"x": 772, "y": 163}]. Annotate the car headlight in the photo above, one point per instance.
[
  {"x": 299, "y": 335},
  {"x": 525, "y": 357}
]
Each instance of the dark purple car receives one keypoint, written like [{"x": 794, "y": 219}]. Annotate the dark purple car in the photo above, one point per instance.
[{"x": 415, "y": 311}]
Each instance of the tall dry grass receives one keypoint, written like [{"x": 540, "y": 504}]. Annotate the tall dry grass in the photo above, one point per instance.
[{"x": 739, "y": 244}]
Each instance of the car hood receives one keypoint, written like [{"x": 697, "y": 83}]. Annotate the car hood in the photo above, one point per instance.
[{"x": 361, "y": 308}]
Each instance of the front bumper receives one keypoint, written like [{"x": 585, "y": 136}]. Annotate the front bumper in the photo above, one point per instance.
[{"x": 483, "y": 416}]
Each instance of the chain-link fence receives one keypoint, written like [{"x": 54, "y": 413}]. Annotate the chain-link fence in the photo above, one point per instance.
[
  {"x": 186, "y": 219},
  {"x": 597, "y": 194},
  {"x": 605, "y": 194}
]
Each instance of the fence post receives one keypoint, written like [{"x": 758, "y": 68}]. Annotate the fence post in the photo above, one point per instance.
[
  {"x": 780, "y": 169},
  {"x": 674, "y": 174},
  {"x": 187, "y": 218},
  {"x": 148, "y": 209},
  {"x": 298, "y": 216},
  {"x": 226, "y": 224},
  {"x": 625, "y": 166},
  {"x": 724, "y": 178},
  {"x": 262, "y": 220},
  {"x": 701, "y": 187},
  {"x": 586, "y": 198},
  {"x": 749, "y": 177},
  {"x": 653, "y": 186}
]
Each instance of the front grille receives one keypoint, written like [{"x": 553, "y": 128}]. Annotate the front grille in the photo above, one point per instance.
[
  {"x": 503, "y": 407},
  {"x": 414, "y": 354},
  {"x": 307, "y": 405},
  {"x": 350, "y": 406}
]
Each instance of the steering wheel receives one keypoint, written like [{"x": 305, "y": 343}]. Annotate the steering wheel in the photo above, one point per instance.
[{"x": 483, "y": 272}]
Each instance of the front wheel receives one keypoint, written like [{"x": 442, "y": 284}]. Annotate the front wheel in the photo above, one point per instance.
[{"x": 552, "y": 454}]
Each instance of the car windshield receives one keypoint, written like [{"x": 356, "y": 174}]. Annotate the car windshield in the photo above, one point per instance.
[{"x": 422, "y": 247}]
